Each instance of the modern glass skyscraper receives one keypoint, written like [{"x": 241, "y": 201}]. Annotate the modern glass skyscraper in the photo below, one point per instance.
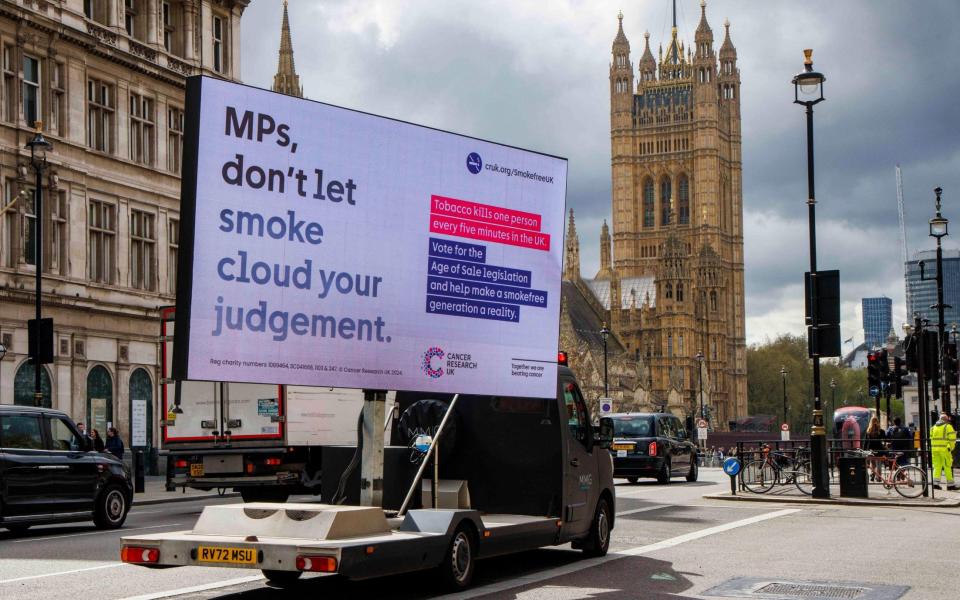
[
  {"x": 877, "y": 320},
  {"x": 921, "y": 295}
]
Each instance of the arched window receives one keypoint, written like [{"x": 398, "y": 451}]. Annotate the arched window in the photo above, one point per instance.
[
  {"x": 141, "y": 409},
  {"x": 680, "y": 294},
  {"x": 666, "y": 192},
  {"x": 99, "y": 399},
  {"x": 648, "y": 203},
  {"x": 713, "y": 300},
  {"x": 669, "y": 291},
  {"x": 683, "y": 204},
  {"x": 680, "y": 350},
  {"x": 23, "y": 386},
  {"x": 670, "y": 345}
]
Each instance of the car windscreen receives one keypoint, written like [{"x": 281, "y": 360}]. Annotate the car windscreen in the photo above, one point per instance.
[{"x": 633, "y": 427}]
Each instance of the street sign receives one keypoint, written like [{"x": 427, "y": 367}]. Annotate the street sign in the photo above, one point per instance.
[
  {"x": 785, "y": 427},
  {"x": 874, "y": 391},
  {"x": 701, "y": 433},
  {"x": 606, "y": 406},
  {"x": 785, "y": 435},
  {"x": 731, "y": 466},
  {"x": 701, "y": 423}
]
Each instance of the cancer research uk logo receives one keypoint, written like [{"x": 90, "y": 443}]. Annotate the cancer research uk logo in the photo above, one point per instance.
[
  {"x": 437, "y": 363},
  {"x": 427, "y": 363},
  {"x": 474, "y": 163}
]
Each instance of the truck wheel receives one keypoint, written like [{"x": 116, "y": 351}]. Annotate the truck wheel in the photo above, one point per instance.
[
  {"x": 633, "y": 479},
  {"x": 694, "y": 470},
  {"x": 264, "y": 494},
  {"x": 598, "y": 540},
  {"x": 456, "y": 570},
  {"x": 663, "y": 475},
  {"x": 110, "y": 509},
  {"x": 281, "y": 578}
]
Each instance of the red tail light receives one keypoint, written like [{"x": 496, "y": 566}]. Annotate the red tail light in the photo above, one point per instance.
[
  {"x": 180, "y": 464},
  {"x": 272, "y": 462},
  {"x": 319, "y": 564},
  {"x": 562, "y": 358},
  {"x": 652, "y": 449},
  {"x": 139, "y": 555}
]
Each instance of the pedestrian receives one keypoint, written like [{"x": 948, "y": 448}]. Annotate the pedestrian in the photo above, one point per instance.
[
  {"x": 114, "y": 444},
  {"x": 943, "y": 438},
  {"x": 900, "y": 440},
  {"x": 98, "y": 443},
  {"x": 720, "y": 455},
  {"x": 874, "y": 443},
  {"x": 83, "y": 433}
]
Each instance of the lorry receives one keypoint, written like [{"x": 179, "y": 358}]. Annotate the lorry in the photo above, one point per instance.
[
  {"x": 264, "y": 441},
  {"x": 514, "y": 474}
]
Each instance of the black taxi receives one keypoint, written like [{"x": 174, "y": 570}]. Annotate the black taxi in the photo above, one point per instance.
[{"x": 652, "y": 445}]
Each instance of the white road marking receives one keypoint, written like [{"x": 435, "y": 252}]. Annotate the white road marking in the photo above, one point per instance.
[
  {"x": 15, "y": 579},
  {"x": 640, "y": 510},
  {"x": 637, "y": 551},
  {"x": 198, "y": 588},
  {"x": 114, "y": 531}
]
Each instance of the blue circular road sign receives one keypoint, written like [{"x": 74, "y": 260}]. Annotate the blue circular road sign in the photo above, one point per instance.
[{"x": 731, "y": 466}]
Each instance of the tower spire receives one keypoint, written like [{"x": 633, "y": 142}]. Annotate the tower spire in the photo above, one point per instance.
[{"x": 286, "y": 81}]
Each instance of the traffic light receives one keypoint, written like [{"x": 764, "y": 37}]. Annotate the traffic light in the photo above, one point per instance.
[
  {"x": 950, "y": 364},
  {"x": 898, "y": 376},
  {"x": 873, "y": 372}
]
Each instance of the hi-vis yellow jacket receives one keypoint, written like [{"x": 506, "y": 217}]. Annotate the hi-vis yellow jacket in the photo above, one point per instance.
[{"x": 943, "y": 437}]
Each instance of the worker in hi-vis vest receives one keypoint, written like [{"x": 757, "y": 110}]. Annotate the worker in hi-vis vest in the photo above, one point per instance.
[{"x": 943, "y": 437}]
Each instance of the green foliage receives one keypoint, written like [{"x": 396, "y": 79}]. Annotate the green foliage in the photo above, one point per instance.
[{"x": 765, "y": 383}]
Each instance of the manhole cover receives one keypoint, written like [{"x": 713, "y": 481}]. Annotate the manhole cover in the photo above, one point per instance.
[
  {"x": 760, "y": 588},
  {"x": 810, "y": 590}
]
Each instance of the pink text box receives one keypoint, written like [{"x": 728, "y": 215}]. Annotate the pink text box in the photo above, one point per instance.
[
  {"x": 489, "y": 233},
  {"x": 486, "y": 213}
]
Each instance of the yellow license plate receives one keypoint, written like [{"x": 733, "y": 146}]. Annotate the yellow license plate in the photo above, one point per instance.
[
  {"x": 623, "y": 446},
  {"x": 196, "y": 470},
  {"x": 220, "y": 554}
]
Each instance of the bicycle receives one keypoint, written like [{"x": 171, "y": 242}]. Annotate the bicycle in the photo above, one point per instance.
[
  {"x": 908, "y": 480},
  {"x": 777, "y": 468}
]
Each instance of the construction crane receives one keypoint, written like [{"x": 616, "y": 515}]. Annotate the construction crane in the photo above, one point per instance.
[{"x": 903, "y": 238}]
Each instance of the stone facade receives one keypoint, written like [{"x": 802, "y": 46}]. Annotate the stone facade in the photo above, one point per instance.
[
  {"x": 107, "y": 78},
  {"x": 670, "y": 283}
]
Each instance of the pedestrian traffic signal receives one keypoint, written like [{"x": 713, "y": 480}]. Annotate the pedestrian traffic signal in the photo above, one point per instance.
[{"x": 898, "y": 376}]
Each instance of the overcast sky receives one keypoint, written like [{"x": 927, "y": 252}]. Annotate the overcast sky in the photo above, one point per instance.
[{"x": 535, "y": 75}]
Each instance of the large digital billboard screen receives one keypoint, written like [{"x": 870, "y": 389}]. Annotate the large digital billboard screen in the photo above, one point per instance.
[{"x": 326, "y": 246}]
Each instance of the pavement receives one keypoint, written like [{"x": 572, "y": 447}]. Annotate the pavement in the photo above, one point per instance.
[
  {"x": 155, "y": 492},
  {"x": 669, "y": 542}
]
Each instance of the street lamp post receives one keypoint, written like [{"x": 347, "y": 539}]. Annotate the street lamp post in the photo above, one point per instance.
[
  {"x": 783, "y": 376},
  {"x": 605, "y": 332},
  {"x": 38, "y": 147},
  {"x": 833, "y": 397},
  {"x": 808, "y": 90},
  {"x": 938, "y": 229},
  {"x": 700, "y": 358}
]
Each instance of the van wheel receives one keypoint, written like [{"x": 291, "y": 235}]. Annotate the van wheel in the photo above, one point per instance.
[
  {"x": 264, "y": 494},
  {"x": 598, "y": 540},
  {"x": 456, "y": 570},
  {"x": 111, "y": 507},
  {"x": 281, "y": 578},
  {"x": 633, "y": 479},
  {"x": 663, "y": 475},
  {"x": 694, "y": 470}
]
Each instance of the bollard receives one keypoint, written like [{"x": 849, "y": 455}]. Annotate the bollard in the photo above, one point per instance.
[
  {"x": 731, "y": 467},
  {"x": 138, "y": 486}
]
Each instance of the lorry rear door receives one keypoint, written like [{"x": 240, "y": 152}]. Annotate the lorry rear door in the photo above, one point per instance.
[
  {"x": 252, "y": 411},
  {"x": 580, "y": 477}
]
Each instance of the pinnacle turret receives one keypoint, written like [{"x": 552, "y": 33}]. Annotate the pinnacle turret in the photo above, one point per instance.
[{"x": 286, "y": 81}]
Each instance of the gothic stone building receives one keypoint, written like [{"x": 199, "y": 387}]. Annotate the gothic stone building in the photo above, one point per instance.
[
  {"x": 671, "y": 285},
  {"x": 106, "y": 78}
]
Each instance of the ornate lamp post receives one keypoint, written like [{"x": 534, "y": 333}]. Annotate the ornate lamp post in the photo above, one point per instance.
[
  {"x": 38, "y": 147},
  {"x": 605, "y": 332},
  {"x": 699, "y": 356},
  {"x": 938, "y": 230},
  {"x": 783, "y": 376},
  {"x": 808, "y": 90}
]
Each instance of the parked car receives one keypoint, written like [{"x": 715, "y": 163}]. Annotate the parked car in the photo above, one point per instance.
[
  {"x": 652, "y": 445},
  {"x": 49, "y": 473}
]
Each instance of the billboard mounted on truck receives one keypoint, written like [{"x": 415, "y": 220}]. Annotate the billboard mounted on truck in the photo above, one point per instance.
[{"x": 329, "y": 247}]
